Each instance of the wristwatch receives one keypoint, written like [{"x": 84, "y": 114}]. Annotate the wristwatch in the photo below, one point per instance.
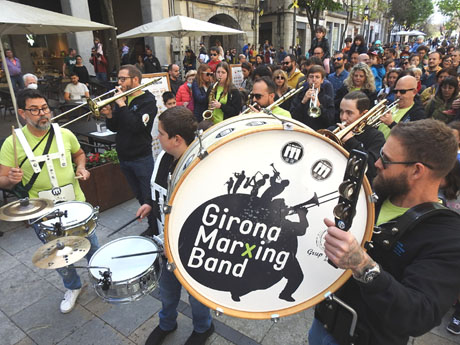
[{"x": 369, "y": 274}]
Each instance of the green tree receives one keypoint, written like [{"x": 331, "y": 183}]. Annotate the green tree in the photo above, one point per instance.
[
  {"x": 314, "y": 8},
  {"x": 411, "y": 13},
  {"x": 450, "y": 9}
]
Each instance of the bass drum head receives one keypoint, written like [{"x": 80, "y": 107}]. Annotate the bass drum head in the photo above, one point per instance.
[{"x": 235, "y": 240}]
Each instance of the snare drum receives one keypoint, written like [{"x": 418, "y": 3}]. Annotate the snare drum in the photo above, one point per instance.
[
  {"x": 232, "y": 234},
  {"x": 81, "y": 220},
  {"x": 132, "y": 277}
]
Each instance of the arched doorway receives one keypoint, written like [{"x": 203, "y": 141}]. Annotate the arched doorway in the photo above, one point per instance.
[{"x": 228, "y": 42}]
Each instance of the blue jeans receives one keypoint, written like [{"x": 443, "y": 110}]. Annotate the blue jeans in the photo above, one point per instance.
[
  {"x": 319, "y": 336},
  {"x": 18, "y": 82},
  {"x": 69, "y": 275},
  {"x": 170, "y": 289},
  {"x": 101, "y": 76},
  {"x": 138, "y": 172}
]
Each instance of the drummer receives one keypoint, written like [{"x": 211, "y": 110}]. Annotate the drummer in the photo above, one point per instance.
[
  {"x": 353, "y": 106},
  {"x": 56, "y": 181},
  {"x": 263, "y": 93},
  {"x": 176, "y": 130}
]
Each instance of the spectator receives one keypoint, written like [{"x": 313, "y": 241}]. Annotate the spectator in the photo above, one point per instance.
[
  {"x": 359, "y": 45},
  {"x": 418, "y": 43},
  {"x": 390, "y": 82},
  {"x": 430, "y": 92},
  {"x": 281, "y": 55},
  {"x": 389, "y": 64},
  {"x": 280, "y": 79},
  {"x": 14, "y": 68},
  {"x": 140, "y": 64},
  {"x": 246, "y": 85},
  {"x": 69, "y": 62},
  {"x": 377, "y": 69},
  {"x": 184, "y": 93},
  {"x": 169, "y": 99},
  {"x": 151, "y": 62},
  {"x": 30, "y": 81},
  {"x": 98, "y": 46},
  {"x": 290, "y": 67},
  {"x": 81, "y": 71},
  {"x": 214, "y": 61},
  {"x": 442, "y": 101},
  {"x": 364, "y": 58},
  {"x": 353, "y": 58},
  {"x": 339, "y": 74},
  {"x": 100, "y": 65},
  {"x": 434, "y": 60},
  {"x": 200, "y": 90},
  {"x": 174, "y": 77},
  {"x": 446, "y": 61},
  {"x": 124, "y": 59},
  {"x": 189, "y": 60},
  {"x": 319, "y": 53},
  {"x": 346, "y": 49},
  {"x": 203, "y": 56},
  {"x": 75, "y": 91}
]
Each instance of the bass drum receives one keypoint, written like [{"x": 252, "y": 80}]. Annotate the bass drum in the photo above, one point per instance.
[{"x": 244, "y": 232}]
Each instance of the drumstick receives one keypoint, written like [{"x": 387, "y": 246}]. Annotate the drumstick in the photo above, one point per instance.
[
  {"x": 16, "y": 165},
  {"x": 78, "y": 177},
  {"x": 137, "y": 254},
  {"x": 121, "y": 227}
]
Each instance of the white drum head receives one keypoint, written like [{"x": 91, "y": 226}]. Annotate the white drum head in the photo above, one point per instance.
[
  {"x": 124, "y": 268},
  {"x": 77, "y": 213},
  {"x": 238, "y": 243}
]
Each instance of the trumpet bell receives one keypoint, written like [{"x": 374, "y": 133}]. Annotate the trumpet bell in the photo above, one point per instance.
[{"x": 315, "y": 112}]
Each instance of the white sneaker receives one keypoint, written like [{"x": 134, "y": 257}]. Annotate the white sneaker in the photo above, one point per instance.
[{"x": 68, "y": 302}]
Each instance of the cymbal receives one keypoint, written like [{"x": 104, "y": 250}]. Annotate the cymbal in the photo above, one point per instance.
[
  {"x": 25, "y": 209},
  {"x": 61, "y": 252}
]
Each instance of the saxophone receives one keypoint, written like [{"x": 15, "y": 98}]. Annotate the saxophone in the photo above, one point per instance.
[{"x": 207, "y": 114}]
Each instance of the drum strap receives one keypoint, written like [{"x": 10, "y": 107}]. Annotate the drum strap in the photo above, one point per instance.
[{"x": 388, "y": 234}]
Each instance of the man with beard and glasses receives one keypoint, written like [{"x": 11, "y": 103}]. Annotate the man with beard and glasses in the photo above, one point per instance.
[
  {"x": 340, "y": 74},
  {"x": 290, "y": 67},
  {"x": 39, "y": 141},
  {"x": 407, "y": 280}
]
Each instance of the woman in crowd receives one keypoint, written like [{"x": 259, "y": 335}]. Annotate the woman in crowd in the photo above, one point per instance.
[
  {"x": 140, "y": 63},
  {"x": 280, "y": 79},
  {"x": 81, "y": 71},
  {"x": 226, "y": 99},
  {"x": 359, "y": 45},
  {"x": 200, "y": 90},
  {"x": 442, "y": 101},
  {"x": 404, "y": 61},
  {"x": 246, "y": 85},
  {"x": 415, "y": 61},
  {"x": 189, "y": 61},
  {"x": 389, "y": 64},
  {"x": 184, "y": 93},
  {"x": 446, "y": 61},
  {"x": 259, "y": 61},
  {"x": 360, "y": 78},
  {"x": 390, "y": 82}
]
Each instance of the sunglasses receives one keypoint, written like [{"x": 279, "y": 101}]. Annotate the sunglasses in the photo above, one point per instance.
[
  {"x": 257, "y": 96},
  {"x": 404, "y": 57},
  {"x": 213, "y": 54},
  {"x": 401, "y": 91},
  {"x": 279, "y": 77},
  {"x": 209, "y": 74},
  {"x": 286, "y": 63},
  {"x": 386, "y": 162},
  {"x": 337, "y": 59}
]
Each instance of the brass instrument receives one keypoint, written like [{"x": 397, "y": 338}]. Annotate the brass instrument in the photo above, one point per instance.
[
  {"x": 315, "y": 111},
  {"x": 371, "y": 118},
  {"x": 207, "y": 114},
  {"x": 283, "y": 98},
  {"x": 95, "y": 106}
]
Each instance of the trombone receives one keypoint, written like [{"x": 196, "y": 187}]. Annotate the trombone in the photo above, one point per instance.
[{"x": 95, "y": 106}]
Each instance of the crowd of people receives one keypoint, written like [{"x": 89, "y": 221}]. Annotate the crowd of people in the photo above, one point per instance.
[{"x": 399, "y": 289}]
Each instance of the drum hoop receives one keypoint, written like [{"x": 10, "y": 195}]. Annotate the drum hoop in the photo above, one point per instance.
[
  {"x": 75, "y": 225},
  {"x": 280, "y": 312},
  {"x": 116, "y": 240}
]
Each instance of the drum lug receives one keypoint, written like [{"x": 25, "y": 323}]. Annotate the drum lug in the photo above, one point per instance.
[
  {"x": 170, "y": 266},
  {"x": 287, "y": 126},
  {"x": 202, "y": 154},
  {"x": 219, "y": 311},
  {"x": 167, "y": 209},
  {"x": 373, "y": 198},
  {"x": 275, "y": 317}
]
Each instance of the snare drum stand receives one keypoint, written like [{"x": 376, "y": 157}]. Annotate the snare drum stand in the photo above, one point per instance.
[{"x": 331, "y": 297}]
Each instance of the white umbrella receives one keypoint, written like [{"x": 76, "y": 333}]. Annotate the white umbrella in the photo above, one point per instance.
[
  {"x": 18, "y": 19},
  {"x": 409, "y": 33},
  {"x": 178, "y": 27}
]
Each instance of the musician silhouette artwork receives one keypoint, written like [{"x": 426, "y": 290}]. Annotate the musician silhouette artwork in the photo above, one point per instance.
[{"x": 245, "y": 239}]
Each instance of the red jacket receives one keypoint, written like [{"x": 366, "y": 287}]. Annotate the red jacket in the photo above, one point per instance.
[
  {"x": 99, "y": 66},
  {"x": 184, "y": 94}
]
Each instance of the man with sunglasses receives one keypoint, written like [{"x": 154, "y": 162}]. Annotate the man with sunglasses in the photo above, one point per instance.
[
  {"x": 290, "y": 67},
  {"x": 214, "y": 58},
  {"x": 263, "y": 93},
  {"x": 408, "y": 109},
  {"x": 406, "y": 281},
  {"x": 34, "y": 176},
  {"x": 340, "y": 74}
]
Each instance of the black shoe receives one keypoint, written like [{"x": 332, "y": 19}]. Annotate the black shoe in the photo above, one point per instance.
[
  {"x": 454, "y": 326},
  {"x": 199, "y": 338},
  {"x": 158, "y": 335}
]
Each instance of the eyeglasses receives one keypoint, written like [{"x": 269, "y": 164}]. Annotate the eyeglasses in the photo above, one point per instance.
[
  {"x": 279, "y": 77},
  {"x": 386, "y": 162},
  {"x": 401, "y": 91},
  {"x": 286, "y": 63},
  {"x": 123, "y": 79},
  {"x": 337, "y": 59},
  {"x": 257, "y": 96},
  {"x": 404, "y": 57},
  {"x": 36, "y": 111},
  {"x": 209, "y": 74}
]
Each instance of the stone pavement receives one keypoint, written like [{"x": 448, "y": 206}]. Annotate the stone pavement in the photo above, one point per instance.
[{"x": 30, "y": 298}]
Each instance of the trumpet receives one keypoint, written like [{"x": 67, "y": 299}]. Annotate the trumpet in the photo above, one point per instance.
[
  {"x": 371, "y": 118},
  {"x": 95, "y": 106},
  {"x": 315, "y": 111}
]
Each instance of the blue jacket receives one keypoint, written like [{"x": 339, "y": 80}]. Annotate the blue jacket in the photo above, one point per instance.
[{"x": 379, "y": 73}]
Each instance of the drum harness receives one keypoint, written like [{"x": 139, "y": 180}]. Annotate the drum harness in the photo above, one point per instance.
[{"x": 385, "y": 236}]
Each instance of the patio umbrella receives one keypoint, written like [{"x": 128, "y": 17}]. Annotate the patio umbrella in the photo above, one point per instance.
[
  {"x": 178, "y": 27},
  {"x": 409, "y": 33},
  {"x": 18, "y": 19}
]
